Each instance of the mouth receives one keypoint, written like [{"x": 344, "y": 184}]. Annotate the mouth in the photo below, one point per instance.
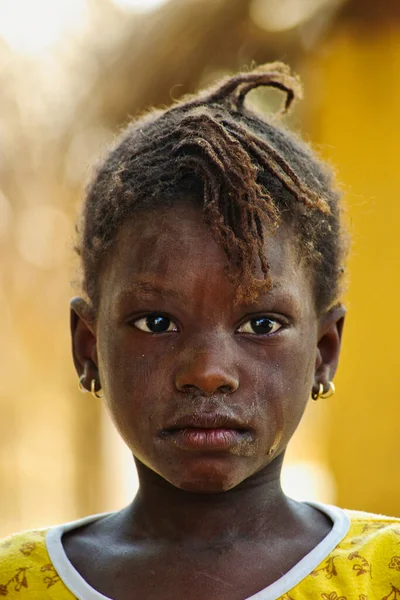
[{"x": 210, "y": 431}]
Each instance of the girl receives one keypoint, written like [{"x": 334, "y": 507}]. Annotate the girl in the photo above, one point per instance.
[{"x": 212, "y": 251}]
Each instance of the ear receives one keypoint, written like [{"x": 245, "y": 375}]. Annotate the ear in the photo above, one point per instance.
[
  {"x": 328, "y": 349},
  {"x": 83, "y": 335}
]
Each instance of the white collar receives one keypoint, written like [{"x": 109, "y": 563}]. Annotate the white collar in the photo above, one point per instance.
[{"x": 83, "y": 591}]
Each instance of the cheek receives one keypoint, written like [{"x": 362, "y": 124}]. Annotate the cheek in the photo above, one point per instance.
[
  {"x": 284, "y": 383},
  {"x": 132, "y": 386},
  {"x": 296, "y": 388},
  {"x": 126, "y": 370}
]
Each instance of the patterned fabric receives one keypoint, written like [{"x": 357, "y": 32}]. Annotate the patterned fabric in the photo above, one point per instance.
[
  {"x": 26, "y": 571},
  {"x": 365, "y": 565}
]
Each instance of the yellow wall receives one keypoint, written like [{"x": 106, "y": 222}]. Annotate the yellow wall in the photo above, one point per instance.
[{"x": 356, "y": 96}]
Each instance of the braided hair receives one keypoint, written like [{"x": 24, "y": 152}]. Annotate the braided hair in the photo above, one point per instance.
[{"x": 246, "y": 170}]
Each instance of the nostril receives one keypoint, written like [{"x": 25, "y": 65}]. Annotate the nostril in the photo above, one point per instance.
[
  {"x": 225, "y": 389},
  {"x": 188, "y": 388}
]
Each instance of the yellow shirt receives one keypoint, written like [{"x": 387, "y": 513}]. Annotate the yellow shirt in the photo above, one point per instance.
[{"x": 363, "y": 563}]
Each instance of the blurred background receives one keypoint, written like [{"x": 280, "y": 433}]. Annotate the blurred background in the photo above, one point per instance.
[{"x": 72, "y": 73}]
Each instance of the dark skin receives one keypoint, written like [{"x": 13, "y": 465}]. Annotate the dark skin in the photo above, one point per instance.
[{"x": 209, "y": 521}]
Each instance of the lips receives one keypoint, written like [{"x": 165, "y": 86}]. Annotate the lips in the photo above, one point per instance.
[
  {"x": 206, "y": 430},
  {"x": 205, "y": 420}
]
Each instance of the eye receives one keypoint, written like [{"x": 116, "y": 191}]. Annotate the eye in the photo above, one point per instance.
[
  {"x": 155, "y": 324},
  {"x": 260, "y": 326}
]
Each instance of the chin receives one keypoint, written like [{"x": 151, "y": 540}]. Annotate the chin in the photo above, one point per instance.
[
  {"x": 207, "y": 479},
  {"x": 199, "y": 475}
]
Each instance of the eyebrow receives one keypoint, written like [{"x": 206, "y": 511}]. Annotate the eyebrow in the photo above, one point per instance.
[{"x": 145, "y": 288}]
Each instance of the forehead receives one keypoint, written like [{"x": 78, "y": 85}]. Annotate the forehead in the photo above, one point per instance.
[{"x": 173, "y": 244}]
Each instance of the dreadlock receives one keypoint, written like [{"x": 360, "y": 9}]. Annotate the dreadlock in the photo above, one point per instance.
[{"x": 248, "y": 172}]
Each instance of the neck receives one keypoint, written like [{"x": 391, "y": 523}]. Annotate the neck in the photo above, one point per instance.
[{"x": 162, "y": 511}]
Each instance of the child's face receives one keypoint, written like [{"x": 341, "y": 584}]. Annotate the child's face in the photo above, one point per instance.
[{"x": 244, "y": 372}]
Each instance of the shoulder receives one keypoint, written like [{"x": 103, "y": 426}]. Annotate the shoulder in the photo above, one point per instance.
[
  {"x": 362, "y": 516},
  {"x": 373, "y": 545},
  {"x": 374, "y": 528},
  {"x": 22, "y": 550},
  {"x": 365, "y": 564},
  {"x": 26, "y": 570}
]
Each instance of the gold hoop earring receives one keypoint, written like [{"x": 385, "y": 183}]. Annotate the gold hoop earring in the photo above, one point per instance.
[
  {"x": 317, "y": 395},
  {"x": 99, "y": 393},
  {"x": 81, "y": 386},
  {"x": 330, "y": 392}
]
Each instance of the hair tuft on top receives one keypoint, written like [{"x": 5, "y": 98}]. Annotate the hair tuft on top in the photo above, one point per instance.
[{"x": 232, "y": 91}]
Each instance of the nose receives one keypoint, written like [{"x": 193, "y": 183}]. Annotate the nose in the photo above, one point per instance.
[{"x": 207, "y": 373}]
